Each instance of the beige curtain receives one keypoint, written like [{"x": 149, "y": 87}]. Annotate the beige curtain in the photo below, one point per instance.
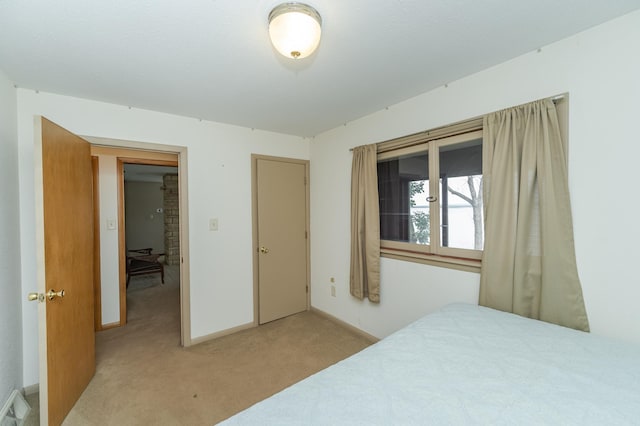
[
  {"x": 365, "y": 225},
  {"x": 528, "y": 264}
]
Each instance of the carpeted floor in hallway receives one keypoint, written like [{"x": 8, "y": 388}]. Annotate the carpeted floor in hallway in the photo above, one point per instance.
[{"x": 144, "y": 377}]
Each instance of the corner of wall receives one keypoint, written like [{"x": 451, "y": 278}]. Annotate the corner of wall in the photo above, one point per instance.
[{"x": 11, "y": 351}]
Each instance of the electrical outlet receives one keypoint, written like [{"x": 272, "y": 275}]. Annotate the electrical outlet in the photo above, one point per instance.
[{"x": 333, "y": 290}]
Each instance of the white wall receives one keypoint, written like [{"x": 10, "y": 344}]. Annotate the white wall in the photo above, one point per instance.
[
  {"x": 600, "y": 68},
  {"x": 109, "y": 256},
  {"x": 219, "y": 176},
  {"x": 10, "y": 291},
  {"x": 145, "y": 226}
]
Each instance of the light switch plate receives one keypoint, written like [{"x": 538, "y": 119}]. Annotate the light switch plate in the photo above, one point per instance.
[
  {"x": 213, "y": 224},
  {"x": 111, "y": 224}
]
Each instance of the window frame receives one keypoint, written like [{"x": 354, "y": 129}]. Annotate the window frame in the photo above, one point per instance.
[
  {"x": 400, "y": 251},
  {"x": 433, "y": 253}
]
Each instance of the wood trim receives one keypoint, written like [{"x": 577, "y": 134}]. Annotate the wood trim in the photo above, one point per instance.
[
  {"x": 172, "y": 162},
  {"x": 154, "y": 159},
  {"x": 110, "y": 325},
  {"x": 97, "y": 285},
  {"x": 147, "y": 158},
  {"x": 222, "y": 333},
  {"x": 185, "y": 288},
  {"x": 308, "y": 230},
  {"x": 468, "y": 265},
  {"x": 174, "y": 155},
  {"x": 460, "y": 127},
  {"x": 122, "y": 261},
  {"x": 353, "y": 329},
  {"x": 254, "y": 239},
  {"x": 133, "y": 153}
]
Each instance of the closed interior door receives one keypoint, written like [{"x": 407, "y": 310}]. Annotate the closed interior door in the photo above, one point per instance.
[
  {"x": 282, "y": 238},
  {"x": 64, "y": 223}
]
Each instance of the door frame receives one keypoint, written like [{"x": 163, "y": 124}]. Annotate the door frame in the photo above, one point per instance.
[
  {"x": 131, "y": 151},
  {"x": 97, "y": 293},
  {"x": 254, "y": 221},
  {"x": 122, "y": 246}
]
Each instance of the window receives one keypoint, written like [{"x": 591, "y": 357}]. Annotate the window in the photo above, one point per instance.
[{"x": 431, "y": 198}]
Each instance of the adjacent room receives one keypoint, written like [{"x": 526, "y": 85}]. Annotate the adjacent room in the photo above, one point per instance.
[{"x": 404, "y": 215}]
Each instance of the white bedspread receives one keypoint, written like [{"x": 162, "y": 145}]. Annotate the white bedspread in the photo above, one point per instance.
[{"x": 468, "y": 365}]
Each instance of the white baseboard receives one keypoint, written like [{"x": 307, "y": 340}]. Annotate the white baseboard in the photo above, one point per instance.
[
  {"x": 30, "y": 390},
  {"x": 369, "y": 337},
  {"x": 222, "y": 333}
]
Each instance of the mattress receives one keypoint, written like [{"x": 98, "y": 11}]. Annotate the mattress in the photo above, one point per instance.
[{"x": 468, "y": 365}]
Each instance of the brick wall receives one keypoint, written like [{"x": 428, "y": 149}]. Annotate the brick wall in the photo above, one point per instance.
[{"x": 171, "y": 220}]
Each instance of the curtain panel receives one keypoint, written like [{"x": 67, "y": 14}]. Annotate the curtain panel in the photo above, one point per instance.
[
  {"x": 528, "y": 264},
  {"x": 365, "y": 225}
]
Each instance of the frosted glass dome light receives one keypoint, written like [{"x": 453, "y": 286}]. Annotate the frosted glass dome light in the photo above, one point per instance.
[{"x": 295, "y": 29}]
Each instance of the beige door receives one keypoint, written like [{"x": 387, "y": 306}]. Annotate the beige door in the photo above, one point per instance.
[
  {"x": 64, "y": 234},
  {"x": 282, "y": 238}
]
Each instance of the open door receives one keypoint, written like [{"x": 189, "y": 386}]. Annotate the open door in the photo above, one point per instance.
[{"x": 64, "y": 244}]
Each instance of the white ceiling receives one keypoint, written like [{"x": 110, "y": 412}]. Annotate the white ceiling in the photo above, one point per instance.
[{"x": 212, "y": 59}]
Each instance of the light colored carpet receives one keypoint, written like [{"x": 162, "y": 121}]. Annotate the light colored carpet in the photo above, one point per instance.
[
  {"x": 144, "y": 377},
  {"x": 33, "y": 418}
]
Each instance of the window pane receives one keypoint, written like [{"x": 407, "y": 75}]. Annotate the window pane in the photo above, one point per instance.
[
  {"x": 461, "y": 195},
  {"x": 403, "y": 188}
]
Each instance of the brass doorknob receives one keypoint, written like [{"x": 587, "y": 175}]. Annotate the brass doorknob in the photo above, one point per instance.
[
  {"x": 51, "y": 294},
  {"x": 264, "y": 250}
]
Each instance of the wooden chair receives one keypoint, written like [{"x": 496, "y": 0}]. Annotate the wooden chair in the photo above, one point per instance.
[{"x": 142, "y": 261}]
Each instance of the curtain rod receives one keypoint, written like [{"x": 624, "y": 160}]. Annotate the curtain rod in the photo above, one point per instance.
[{"x": 554, "y": 99}]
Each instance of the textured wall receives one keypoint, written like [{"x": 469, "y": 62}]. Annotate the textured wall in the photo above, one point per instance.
[
  {"x": 219, "y": 186},
  {"x": 144, "y": 225},
  {"x": 10, "y": 291},
  {"x": 599, "y": 68}
]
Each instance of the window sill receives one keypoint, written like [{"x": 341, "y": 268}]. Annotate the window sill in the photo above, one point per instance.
[{"x": 469, "y": 265}]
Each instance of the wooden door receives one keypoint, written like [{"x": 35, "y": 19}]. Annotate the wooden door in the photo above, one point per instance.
[
  {"x": 282, "y": 238},
  {"x": 64, "y": 235}
]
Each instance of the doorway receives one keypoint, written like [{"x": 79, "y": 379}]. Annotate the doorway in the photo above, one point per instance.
[
  {"x": 281, "y": 237},
  {"x": 66, "y": 167},
  {"x": 124, "y": 159},
  {"x": 117, "y": 153},
  {"x": 151, "y": 226}
]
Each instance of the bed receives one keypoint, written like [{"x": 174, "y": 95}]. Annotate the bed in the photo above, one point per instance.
[{"x": 465, "y": 365}]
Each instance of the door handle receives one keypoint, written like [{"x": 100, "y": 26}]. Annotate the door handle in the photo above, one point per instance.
[
  {"x": 264, "y": 250},
  {"x": 52, "y": 294}
]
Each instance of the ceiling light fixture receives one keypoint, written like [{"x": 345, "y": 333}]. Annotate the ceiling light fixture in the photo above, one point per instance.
[{"x": 295, "y": 29}]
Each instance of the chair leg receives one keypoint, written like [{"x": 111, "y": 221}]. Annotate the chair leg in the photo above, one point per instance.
[{"x": 162, "y": 272}]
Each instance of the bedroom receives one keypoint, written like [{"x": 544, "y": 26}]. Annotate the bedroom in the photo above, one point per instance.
[{"x": 598, "y": 68}]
